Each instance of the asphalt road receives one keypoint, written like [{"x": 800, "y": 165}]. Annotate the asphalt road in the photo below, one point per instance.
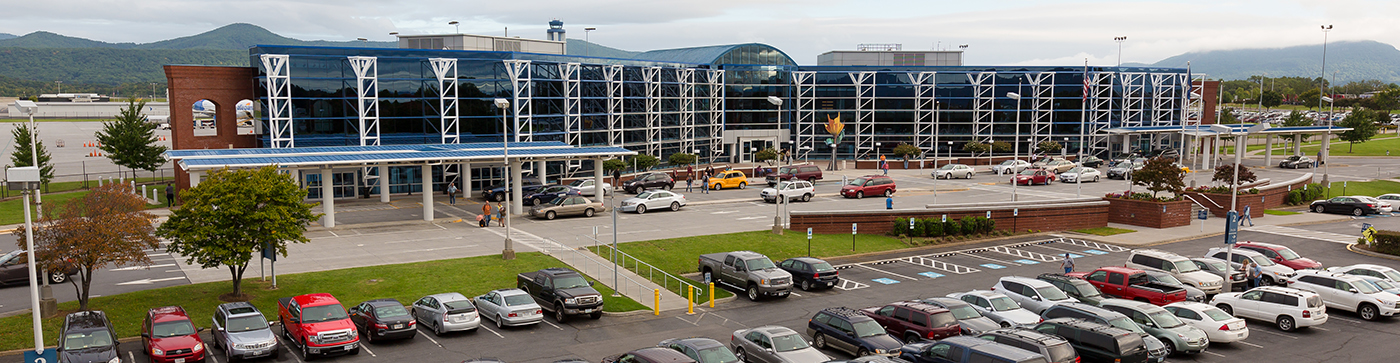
[{"x": 161, "y": 272}]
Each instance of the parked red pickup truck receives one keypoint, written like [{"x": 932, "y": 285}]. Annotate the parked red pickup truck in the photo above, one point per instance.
[
  {"x": 1131, "y": 284},
  {"x": 318, "y": 324}
]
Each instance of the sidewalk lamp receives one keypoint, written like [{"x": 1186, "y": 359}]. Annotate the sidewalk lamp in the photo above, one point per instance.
[
  {"x": 509, "y": 252},
  {"x": 455, "y": 25},
  {"x": 1017, "y": 97},
  {"x": 27, "y": 179},
  {"x": 1327, "y": 140}
]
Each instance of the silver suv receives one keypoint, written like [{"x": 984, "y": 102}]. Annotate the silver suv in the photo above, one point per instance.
[
  {"x": 242, "y": 333},
  {"x": 1031, "y": 294},
  {"x": 1177, "y": 265}
]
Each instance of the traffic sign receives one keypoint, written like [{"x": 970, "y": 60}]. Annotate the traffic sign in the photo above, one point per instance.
[
  {"x": 809, "y": 232},
  {"x": 989, "y": 214},
  {"x": 48, "y": 356},
  {"x": 1202, "y": 215},
  {"x": 853, "y": 228},
  {"x": 911, "y": 222},
  {"x": 1015, "y": 212},
  {"x": 1232, "y": 227}
]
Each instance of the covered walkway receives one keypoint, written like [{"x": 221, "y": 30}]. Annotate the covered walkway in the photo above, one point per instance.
[{"x": 1210, "y": 139}]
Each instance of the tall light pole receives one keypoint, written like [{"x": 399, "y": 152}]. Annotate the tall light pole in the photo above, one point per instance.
[
  {"x": 509, "y": 252},
  {"x": 778, "y": 197},
  {"x": 153, "y": 91},
  {"x": 60, "y": 87},
  {"x": 1120, "y": 48},
  {"x": 456, "y": 26},
  {"x": 588, "y": 52},
  {"x": 1322, "y": 86},
  {"x": 27, "y": 179},
  {"x": 1017, "y": 140}
]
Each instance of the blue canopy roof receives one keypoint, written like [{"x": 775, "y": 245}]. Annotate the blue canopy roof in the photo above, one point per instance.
[{"x": 385, "y": 154}]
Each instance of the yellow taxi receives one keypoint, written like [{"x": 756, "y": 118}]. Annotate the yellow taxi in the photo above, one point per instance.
[{"x": 728, "y": 179}]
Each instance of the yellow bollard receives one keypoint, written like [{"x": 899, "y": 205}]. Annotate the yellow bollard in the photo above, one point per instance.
[
  {"x": 656, "y": 306},
  {"x": 690, "y": 303},
  {"x": 712, "y": 294}
]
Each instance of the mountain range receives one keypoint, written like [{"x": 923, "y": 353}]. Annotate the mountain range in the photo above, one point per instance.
[{"x": 1346, "y": 62}]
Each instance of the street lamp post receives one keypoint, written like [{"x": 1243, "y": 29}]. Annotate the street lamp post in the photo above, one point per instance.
[
  {"x": 588, "y": 52},
  {"x": 1322, "y": 86},
  {"x": 509, "y": 252},
  {"x": 1120, "y": 48},
  {"x": 1017, "y": 97},
  {"x": 456, "y": 26},
  {"x": 27, "y": 179},
  {"x": 777, "y": 192}
]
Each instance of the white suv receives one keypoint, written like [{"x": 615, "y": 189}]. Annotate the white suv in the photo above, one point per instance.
[
  {"x": 793, "y": 190},
  {"x": 1366, "y": 269},
  {"x": 1289, "y": 308},
  {"x": 1177, "y": 265},
  {"x": 1032, "y": 294},
  {"x": 1273, "y": 273},
  {"x": 1347, "y": 292}
]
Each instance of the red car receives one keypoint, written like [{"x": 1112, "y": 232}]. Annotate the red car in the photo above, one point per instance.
[
  {"x": 868, "y": 185},
  {"x": 1034, "y": 176},
  {"x": 168, "y": 336},
  {"x": 913, "y": 321},
  {"x": 1281, "y": 255}
]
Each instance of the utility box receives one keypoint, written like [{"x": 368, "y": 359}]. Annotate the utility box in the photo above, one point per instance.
[{"x": 22, "y": 178}]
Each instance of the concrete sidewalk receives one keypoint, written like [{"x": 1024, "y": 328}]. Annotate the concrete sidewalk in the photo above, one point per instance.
[{"x": 1212, "y": 227}]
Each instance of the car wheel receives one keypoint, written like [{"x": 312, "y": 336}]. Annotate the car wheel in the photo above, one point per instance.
[
  {"x": 717, "y": 186},
  {"x": 675, "y": 206},
  {"x": 860, "y": 194},
  {"x": 1318, "y": 208},
  {"x": 911, "y": 338},
  {"x": 1285, "y": 323},
  {"x": 812, "y": 180},
  {"x": 753, "y": 292},
  {"x": 862, "y": 352},
  {"x": 742, "y": 185},
  {"x": 559, "y": 314},
  {"x": 58, "y": 277},
  {"x": 819, "y": 341},
  {"x": 1357, "y": 212},
  {"x": 1367, "y": 311},
  {"x": 500, "y": 323},
  {"x": 437, "y": 330},
  {"x": 499, "y": 197},
  {"x": 1096, "y": 178},
  {"x": 596, "y": 315},
  {"x": 888, "y": 192},
  {"x": 549, "y": 215},
  {"x": 588, "y": 212},
  {"x": 670, "y": 186},
  {"x": 1267, "y": 280},
  {"x": 641, "y": 209},
  {"x": 1005, "y": 324},
  {"x": 805, "y": 285},
  {"x": 1171, "y": 348},
  {"x": 807, "y": 197},
  {"x": 739, "y": 353},
  {"x": 305, "y": 351},
  {"x": 228, "y": 355},
  {"x": 535, "y": 201},
  {"x": 969, "y": 176}
]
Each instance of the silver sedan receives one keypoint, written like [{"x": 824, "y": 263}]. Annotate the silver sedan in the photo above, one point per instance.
[
  {"x": 446, "y": 312},
  {"x": 653, "y": 199},
  {"x": 1073, "y": 175},
  {"x": 509, "y": 307},
  {"x": 585, "y": 187}
]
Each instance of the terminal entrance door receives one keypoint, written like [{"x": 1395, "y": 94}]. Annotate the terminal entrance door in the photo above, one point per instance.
[
  {"x": 342, "y": 184},
  {"x": 749, "y": 147}
]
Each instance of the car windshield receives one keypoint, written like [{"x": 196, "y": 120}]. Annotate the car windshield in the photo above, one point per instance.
[
  {"x": 1186, "y": 266},
  {"x": 1392, "y": 275},
  {"x": 964, "y": 312},
  {"x": 644, "y": 195},
  {"x": 246, "y": 323},
  {"x": 8, "y": 256},
  {"x": 559, "y": 200},
  {"x": 1029, "y": 172},
  {"x": 1051, "y": 293},
  {"x": 758, "y": 264},
  {"x": 822, "y": 267},
  {"x": 172, "y": 329},
  {"x": 77, "y": 340},
  {"x": 1004, "y": 304},
  {"x": 1263, "y": 261},
  {"x": 1165, "y": 319},
  {"x": 1217, "y": 265},
  {"x": 1076, "y": 170},
  {"x": 947, "y": 167},
  {"x": 1086, "y": 289},
  {"x": 1124, "y": 165},
  {"x": 784, "y": 170},
  {"x": 783, "y": 185},
  {"x": 517, "y": 300},
  {"x": 788, "y": 343},
  {"x": 1008, "y": 163},
  {"x": 717, "y": 354},
  {"x": 1062, "y": 352},
  {"x": 1288, "y": 254},
  {"x": 316, "y": 314},
  {"x": 390, "y": 311},
  {"x": 869, "y": 328},
  {"x": 1125, "y": 324},
  {"x": 1382, "y": 284},
  {"x": 1167, "y": 278},
  {"x": 1365, "y": 288},
  {"x": 576, "y": 183},
  {"x": 569, "y": 282},
  {"x": 1216, "y": 314},
  {"x": 857, "y": 182}
]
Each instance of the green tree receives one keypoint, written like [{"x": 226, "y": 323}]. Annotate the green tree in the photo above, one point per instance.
[
  {"x": 681, "y": 159},
  {"x": 1160, "y": 175},
  {"x": 1002, "y": 147},
  {"x": 1363, "y": 127},
  {"x": 1227, "y": 97},
  {"x": 1388, "y": 99},
  {"x": 1296, "y": 119},
  {"x": 233, "y": 214},
  {"x": 130, "y": 141},
  {"x": 1048, "y": 147},
  {"x": 975, "y": 147},
  {"x": 23, "y": 157},
  {"x": 644, "y": 161},
  {"x": 614, "y": 164},
  {"x": 1226, "y": 174},
  {"x": 1309, "y": 98},
  {"x": 1227, "y": 116},
  {"x": 766, "y": 155},
  {"x": 1272, "y": 99},
  {"x": 906, "y": 151}
]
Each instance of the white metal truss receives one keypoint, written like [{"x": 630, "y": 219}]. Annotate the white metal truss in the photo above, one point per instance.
[
  {"x": 1100, "y": 110},
  {"x": 1164, "y": 98},
  {"x": 446, "y": 71},
  {"x": 686, "y": 77},
  {"x": 652, "y": 77},
  {"x": 279, "y": 99},
  {"x": 806, "y": 85},
  {"x": 865, "y": 112},
  {"x": 1133, "y": 99},
  {"x": 1042, "y": 107},
  {"x": 367, "y": 97},
  {"x": 1195, "y": 108},
  {"x": 614, "y": 75},
  {"x": 715, "y": 82},
  {"x": 925, "y": 110},
  {"x": 983, "y": 94},
  {"x": 519, "y": 72},
  {"x": 573, "y": 114}
]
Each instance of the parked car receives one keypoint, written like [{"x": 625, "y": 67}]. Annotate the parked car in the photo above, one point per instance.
[
  {"x": 1296, "y": 161},
  {"x": 1031, "y": 294},
  {"x": 1176, "y": 334},
  {"x": 810, "y": 273},
  {"x": 1131, "y": 284},
  {"x": 1075, "y": 287},
  {"x": 317, "y": 324},
  {"x": 868, "y": 185},
  {"x": 1192, "y": 293},
  {"x": 748, "y": 270},
  {"x": 547, "y": 194},
  {"x": 1347, "y": 292},
  {"x": 241, "y": 331},
  {"x": 1010, "y": 167},
  {"x": 912, "y": 321},
  {"x": 1054, "y": 347},
  {"x": 168, "y": 336},
  {"x": 789, "y": 190},
  {"x": 1218, "y": 326},
  {"x": 1366, "y": 269},
  {"x": 1287, "y": 308},
  {"x": 383, "y": 319},
  {"x": 509, "y": 307},
  {"x": 998, "y": 307},
  {"x": 562, "y": 291},
  {"x": 14, "y": 269},
  {"x": 810, "y": 173},
  {"x": 850, "y": 331},
  {"x": 1122, "y": 169},
  {"x": 773, "y": 344},
  {"x": 1096, "y": 342},
  {"x": 650, "y": 355},
  {"x": 950, "y": 171},
  {"x": 1345, "y": 205},
  {"x": 1156, "y": 350},
  {"x": 1056, "y": 165},
  {"x": 499, "y": 192},
  {"x": 586, "y": 187},
  {"x": 655, "y": 199},
  {"x": 869, "y": 359},
  {"x": 446, "y": 312},
  {"x": 967, "y": 349},
  {"x": 87, "y": 336},
  {"x": 702, "y": 350},
  {"x": 1233, "y": 276},
  {"x": 1091, "y": 161},
  {"x": 1392, "y": 197},
  {"x": 649, "y": 181},
  {"x": 1177, "y": 265},
  {"x": 1382, "y": 284},
  {"x": 1382, "y": 207},
  {"x": 568, "y": 205},
  {"x": 1033, "y": 176},
  {"x": 969, "y": 319},
  {"x": 1273, "y": 274},
  {"x": 728, "y": 179},
  {"x": 1074, "y": 175}
]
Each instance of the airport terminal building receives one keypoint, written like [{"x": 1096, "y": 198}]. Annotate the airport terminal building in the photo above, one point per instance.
[{"x": 711, "y": 101}]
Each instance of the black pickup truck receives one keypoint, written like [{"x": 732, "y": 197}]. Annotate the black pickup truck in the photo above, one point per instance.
[{"x": 562, "y": 291}]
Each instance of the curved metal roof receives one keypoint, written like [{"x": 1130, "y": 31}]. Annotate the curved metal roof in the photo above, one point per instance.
[{"x": 704, "y": 55}]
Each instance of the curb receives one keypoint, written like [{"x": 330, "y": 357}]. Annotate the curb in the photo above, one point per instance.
[{"x": 1369, "y": 253}]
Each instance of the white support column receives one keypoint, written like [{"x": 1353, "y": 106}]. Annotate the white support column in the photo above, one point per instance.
[
  {"x": 427, "y": 178},
  {"x": 1326, "y": 147},
  {"x": 383, "y": 183},
  {"x": 1127, "y": 143},
  {"x": 598, "y": 189},
  {"x": 367, "y": 93},
  {"x": 466, "y": 173},
  {"x": 516, "y": 202},
  {"x": 279, "y": 99},
  {"x": 1297, "y": 144},
  {"x": 1208, "y": 160},
  {"x": 540, "y": 171},
  {"x": 1268, "y": 150},
  {"x": 327, "y": 199},
  {"x": 194, "y": 178}
]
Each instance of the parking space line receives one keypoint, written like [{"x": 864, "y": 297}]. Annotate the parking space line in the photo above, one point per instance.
[
  {"x": 989, "y": 259},
  {"x": 1214, "y": 354},
  {"x": 936, "y": 264},
  {"x": 551, "y": 324},
  {"x": 1250, "y": 344},
  {"x": 366, "y": 348},
  {"x": 891, "y": 273},
  {"x": 498, "y": 335},
  {"x": 425, "y": 335},
  {"x": 1321, "y": 328},
  {"x": 854, "y": 285},
  {"x": 1091, "y": 244},
  {"x": 133, "y": 356},
  {"x": 794, "y": 293},
  {"x": 1346, "y": 320},
  {"x": 1023, "y": 254},
  {"x": 1278, "y": 334},
  {"x": 284, "y": 344},
  {"x": 211, "y": 356}
]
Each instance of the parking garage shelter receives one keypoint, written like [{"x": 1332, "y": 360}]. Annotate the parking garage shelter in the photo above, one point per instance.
[
  {"x": 1206, "y": 141},
  {"x": 376, "y": 160}
]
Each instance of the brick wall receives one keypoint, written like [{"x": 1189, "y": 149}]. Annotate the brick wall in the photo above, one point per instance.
[
  {"x": 1270, "y": 196},
  {"x": 224, "y": 86},
  {"x": 1056, "y": 217},
  {"x": 1149, "y": 213}
]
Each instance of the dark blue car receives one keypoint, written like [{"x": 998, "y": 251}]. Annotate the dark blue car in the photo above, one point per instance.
[
  {"x": 499, "y": 193},
  {"x": 548, "y": 193},
  {"x": 851, "y": 331}
]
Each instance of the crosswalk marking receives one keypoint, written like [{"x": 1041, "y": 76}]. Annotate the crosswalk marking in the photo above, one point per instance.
[{"x": 1303, "y": 233}]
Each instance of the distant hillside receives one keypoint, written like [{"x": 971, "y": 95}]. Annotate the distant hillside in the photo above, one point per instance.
[
  {"x": 4, "y": 36},
  {"x": 107, "y": 66},
  {"x": 238, "y": 36},
  {"x": 1353, "y": 61},
  {"x": 577, "y": 47}
]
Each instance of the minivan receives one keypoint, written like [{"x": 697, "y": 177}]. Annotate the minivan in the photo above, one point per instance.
[
  {"x": 810, "y": 173},
  {"x": 868, "y": 185},
  {"x": 1097, "y": 342}
]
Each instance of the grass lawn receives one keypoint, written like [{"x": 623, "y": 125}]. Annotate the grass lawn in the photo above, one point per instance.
[
  {"x": 1275, "y": 212},
  {"x": 1105, "y": 231},
  {"x": 405, "y": 282},
  {"x": 1370, "y": 188},
  {"x": 1376, "y": 147},
  {"x": 12, "y": 211}
]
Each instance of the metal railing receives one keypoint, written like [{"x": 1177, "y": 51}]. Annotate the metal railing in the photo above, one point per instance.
[
  {"x": 643, "y": 269},
  {"x": 1193, "y": 200},
  {"x": 599, "y": 269}
]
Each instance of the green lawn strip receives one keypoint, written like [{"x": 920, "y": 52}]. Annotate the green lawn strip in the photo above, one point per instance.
[
  {"x": 1375, "y": 147},
  {"x": 406, "y": 282},
  {"x": 1104, "y": 231},
  {"x": 1370, "y": 188},
  {"x": 1275, "y": 212},
  {"x": 12, "y": 211}
]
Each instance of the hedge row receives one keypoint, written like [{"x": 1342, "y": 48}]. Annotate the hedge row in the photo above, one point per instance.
[
  {"x": 932, "y": 227},
  {"x": 1305, "y": 195},
  {"x": 1386, "y": 242}
]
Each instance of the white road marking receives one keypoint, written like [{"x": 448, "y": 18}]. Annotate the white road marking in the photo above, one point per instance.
[
  {"x": 425, "y": 335},
  {"x": 1303, "y": 233},
  {"x": 211, "y": 356},
  {"x": 891, "y": 273},
  {"x": 1250, "y": 344},
  {"x": 725, "y": 212},
  {"x": 1214, "y": 354},
  {"x": 551, "y": 324},
  {"x": 1321, "y": 328},
  {"x": 498, "y": 335},
  {"x": 131, "y": 355},
  {"x": 149, "y": 281},
  {"x": 990, "y": 259},
  {"x": 794, "y": 293},
  {"x": 284, "y": 344},
  {"x": 366, "y": 348},
  {"x": 750, "y": 218},
  {"x": 1347, "y": 320},
  {"x": 132, "y": 268},
  {"x": 1278, "y": 334},
  {"x": 332, "y": 233}
]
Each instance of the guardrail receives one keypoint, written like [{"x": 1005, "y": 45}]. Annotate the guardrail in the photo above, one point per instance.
[
  {"x": 643, "y": 269},
  {"x": 599, "y": 269},
  {"x": 1198, "y": 204}
]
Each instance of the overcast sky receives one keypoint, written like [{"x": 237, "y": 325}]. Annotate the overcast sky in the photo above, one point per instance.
[{"x": 1001, "y": 32}]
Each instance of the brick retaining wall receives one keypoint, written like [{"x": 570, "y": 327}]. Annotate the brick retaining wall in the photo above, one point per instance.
[
  {"x": 1054, "y": 217},
  {"x": 1149, "y": 213}
]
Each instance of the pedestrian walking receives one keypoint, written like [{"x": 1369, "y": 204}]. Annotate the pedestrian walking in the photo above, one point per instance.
[
  {"x": 501, "y": 213},
  {"x": 704, "y": 182},
  {"x": 1068, "y": 263},
  {"x": 452, "y": 194},
  {"x": 486, "y": 212},
  {"x": 617, "y": 179},
  {"x": 885, "y": 167},
  {"x": 1245, "y": 217},
  {"x": 169, "y": 195},
  {"x": 688, "y": 183}
]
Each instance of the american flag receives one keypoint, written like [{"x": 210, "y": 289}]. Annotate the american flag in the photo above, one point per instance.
[{"x": 1086, "y": 82}]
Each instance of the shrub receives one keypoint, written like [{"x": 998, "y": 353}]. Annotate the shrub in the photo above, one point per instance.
[
  {"x": 932, "y": 227},
  {"x": 1304, "y": 195},
  {"x": 901, "y": 226},
  {"x": 918, "y": 229},
  {"x": 1387, "y": 242}
]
